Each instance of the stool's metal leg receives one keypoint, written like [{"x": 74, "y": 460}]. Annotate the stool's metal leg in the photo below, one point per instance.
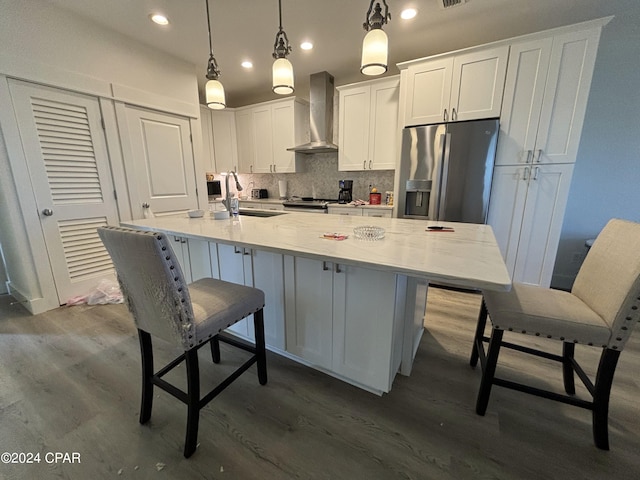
[
  {"x": 604, "y": 379},
  {"x": 261, "y": 355},
  {"x": 146, "y": 352},
  {"x": 193, "y": 402},
  {"x": 482, "y": 321},
  {"x": 489, "y": 371},
  {"x": 568, "y": 350},
  {"x": 215, "y": 349}
]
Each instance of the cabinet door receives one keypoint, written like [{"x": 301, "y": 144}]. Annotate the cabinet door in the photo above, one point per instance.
[
  {"x": 565, "y": 100},
  {"x": 246, "y": 142},
  {"x": 383, "y": 125},
  {"x": 207, "y": 139},
  {"x": 268, "y": 275},
  {"x": 523, "y": 94},
  {"x": 428, "y": 92},
  {"x": 180, "y": 247},
  {"x": 283, "y": 137},
  {"x": 478, "y": 84},
  {"x": 353, "y": 128},
  {"x": 542, "y": 222},
  {"x": 225, "y": 150},
  {"x": 308, "y": 285},
  {"x": 506, "y": 207},
  {"x": 362, "y": 329},
  {"x": 263, "y": 138},
  {"x": 231, "y": 265},
  {"x": 199, "y": 259}
]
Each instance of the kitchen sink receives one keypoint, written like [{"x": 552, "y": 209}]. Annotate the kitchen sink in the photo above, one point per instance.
[{"x": 249, "y": 212}]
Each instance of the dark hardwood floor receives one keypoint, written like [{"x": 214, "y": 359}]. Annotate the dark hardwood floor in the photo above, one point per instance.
[{"x": 70, "y": 382}]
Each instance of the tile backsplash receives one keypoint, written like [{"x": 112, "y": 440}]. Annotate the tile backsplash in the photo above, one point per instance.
[{"x": 319, "y": 179}]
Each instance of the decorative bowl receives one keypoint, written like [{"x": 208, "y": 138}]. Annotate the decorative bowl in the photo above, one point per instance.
[
  {"x": 196, "y": 213},
  {"x": 220, "y": 214},
  {"x": 368, "y": 232}
]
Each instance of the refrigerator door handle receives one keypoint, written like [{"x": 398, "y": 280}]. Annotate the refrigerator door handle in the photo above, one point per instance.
[{"x": 440, "y": 190}]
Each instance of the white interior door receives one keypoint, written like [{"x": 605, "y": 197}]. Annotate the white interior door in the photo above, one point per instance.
[
  {"x": 160, "y": 161},
  {"x": 67, "y": 158}
]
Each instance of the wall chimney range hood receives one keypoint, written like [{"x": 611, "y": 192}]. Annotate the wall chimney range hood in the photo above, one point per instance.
[{"x": 321, "y": 87}]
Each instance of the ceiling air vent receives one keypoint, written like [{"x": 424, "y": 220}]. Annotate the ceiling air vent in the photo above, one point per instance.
[{"x": 452, "y": 3}]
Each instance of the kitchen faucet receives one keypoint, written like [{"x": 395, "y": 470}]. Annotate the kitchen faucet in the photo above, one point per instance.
[{"x": 227, "y": 199}]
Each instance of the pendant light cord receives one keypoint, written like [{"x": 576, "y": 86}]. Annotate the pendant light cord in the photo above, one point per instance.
[
  {"x": 209, "y": 28},
  {"x": 280, "y": 13}
]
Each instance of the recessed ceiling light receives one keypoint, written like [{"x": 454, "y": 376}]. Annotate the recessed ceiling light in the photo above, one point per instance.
[
  {"x": 247, "y": 64},
  {"x": 306, "y": 45},
  {"x": 408, "y": 13},
  {"x": 159, "y": 19}
]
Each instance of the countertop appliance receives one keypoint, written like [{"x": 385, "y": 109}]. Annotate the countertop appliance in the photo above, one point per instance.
[
  {"x": 306, "y": 205},
  {"x": 446, "y": 171},
  {"x": 259, "y": 193},
  {"x": 345, "y": 195}
]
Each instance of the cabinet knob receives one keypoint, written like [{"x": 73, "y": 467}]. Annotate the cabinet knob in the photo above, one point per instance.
[
  {"x": 364, "y": 165},
  {"x": 324, "y": 266},
  {"x": 525, "y": 177},
  {"x": 47, "y": 212},
  {"x": 338, "y": 268},
  {"x": 454, "y": 114},
  {"x": 369, "y": 164},
  {"x": 446, "y": 115},
  {"x": 539, "y": 152},
  {"x": 145, "y": 205}
]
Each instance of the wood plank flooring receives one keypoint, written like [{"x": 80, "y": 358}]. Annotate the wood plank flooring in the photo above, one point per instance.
[{"x": 70, "y": 382}]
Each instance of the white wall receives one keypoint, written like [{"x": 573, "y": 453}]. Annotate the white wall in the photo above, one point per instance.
[
  {"x": 606, "y": 179},
  {"x": 44, "y": 44},
  {"x": 36, "y": 33}
]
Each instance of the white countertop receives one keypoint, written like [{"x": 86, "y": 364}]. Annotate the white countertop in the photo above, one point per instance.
[{"x": 466, "y": 257}]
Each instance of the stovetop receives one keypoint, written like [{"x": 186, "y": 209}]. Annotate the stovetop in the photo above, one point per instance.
[{"x": 303, "y": 202}]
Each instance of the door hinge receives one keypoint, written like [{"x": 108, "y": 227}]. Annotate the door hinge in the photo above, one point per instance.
[
  {"x": 191, "y": 137},
  {"x": 115, "y": 195},
  {"x": 104, "y": 127}
]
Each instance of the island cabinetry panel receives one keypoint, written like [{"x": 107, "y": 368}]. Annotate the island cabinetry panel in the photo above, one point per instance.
[
  {"x": 265, "y": 131},
  {"x": 368, "y": 125},
  {"x": 309, "y": 309},
  {"x": 259, "y": 269},
  {"x": 465, "y": 86},
  {"x": 330, "y": 326},
  {"x": 526, "y": 213}
]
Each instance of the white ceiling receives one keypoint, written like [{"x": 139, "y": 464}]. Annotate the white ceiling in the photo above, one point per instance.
[{"x": 245, "y": 29}]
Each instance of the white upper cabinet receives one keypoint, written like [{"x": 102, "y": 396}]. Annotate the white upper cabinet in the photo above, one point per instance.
[
  {"x": 266, "y": 130},
  {"x": 545, "y": 98},
  {"x": 207, "y": 139},
  {"x": 368, "y": 125},
  {"x": 223, "y": 125},
  {"x": 219, "y": 139},
  {"x": 466, "y": 86}
]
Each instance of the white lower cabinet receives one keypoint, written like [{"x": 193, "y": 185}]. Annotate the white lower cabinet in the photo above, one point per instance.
[
  {"x": 344, "y": 335},
  {"x": 361, "y": 211},
  {"x": 526, "y": 211},
  {"x": 257, "y": 269}
]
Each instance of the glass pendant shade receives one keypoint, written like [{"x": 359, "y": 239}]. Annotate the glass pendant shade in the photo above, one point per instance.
[
  {"x": 375, "y": 49},
  {"x": 282, "y": 77},
  {"x": 215, "y": 95}
]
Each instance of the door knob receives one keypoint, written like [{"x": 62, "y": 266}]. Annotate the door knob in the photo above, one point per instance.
[{"x": 47, "y": 212}]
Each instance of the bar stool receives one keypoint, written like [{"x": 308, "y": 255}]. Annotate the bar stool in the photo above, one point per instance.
[{"x": 190, "y": 317}]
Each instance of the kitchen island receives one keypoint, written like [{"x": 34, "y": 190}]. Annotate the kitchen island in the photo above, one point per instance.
[{"x": 351, "y": 308}]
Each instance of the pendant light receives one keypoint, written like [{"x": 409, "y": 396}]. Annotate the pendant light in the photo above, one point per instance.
[
  {"x": 282, "y": 68},
  {"x": 375, "y": 46},
  {"x": 214, "y": 91}
]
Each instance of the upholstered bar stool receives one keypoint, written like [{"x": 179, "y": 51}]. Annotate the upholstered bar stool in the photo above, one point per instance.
[
  {"x": 190, "y": 317},
  {"x": 600, "y": 311}
]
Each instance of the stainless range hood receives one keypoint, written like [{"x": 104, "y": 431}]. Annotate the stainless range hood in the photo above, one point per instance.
[{"x": 321, "y": 87}]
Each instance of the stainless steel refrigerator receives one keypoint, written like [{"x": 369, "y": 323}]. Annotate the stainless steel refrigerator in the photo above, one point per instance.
[{"x": 446, "y": 171}]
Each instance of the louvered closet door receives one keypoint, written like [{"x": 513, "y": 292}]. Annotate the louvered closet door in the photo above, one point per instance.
[{"x": 67, "y": 158}]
